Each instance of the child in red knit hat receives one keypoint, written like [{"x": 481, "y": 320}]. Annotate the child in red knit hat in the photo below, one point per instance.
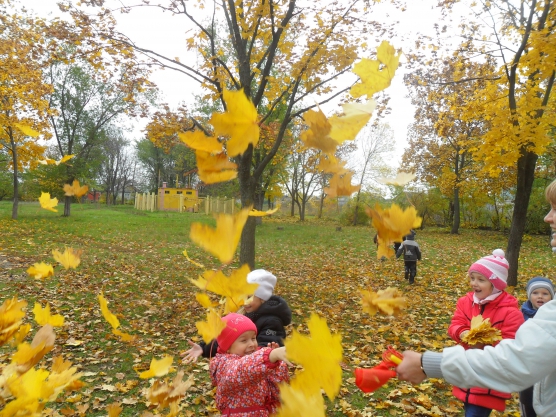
[
  {"x": 488, "y": 278},
  {"x": 246, "y": 376}
]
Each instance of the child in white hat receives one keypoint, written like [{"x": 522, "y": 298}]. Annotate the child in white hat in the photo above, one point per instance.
[{"x": 269, "y": 312}]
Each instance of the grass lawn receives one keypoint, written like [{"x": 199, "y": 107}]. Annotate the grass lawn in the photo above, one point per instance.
[{"x": 136, "y": 259}]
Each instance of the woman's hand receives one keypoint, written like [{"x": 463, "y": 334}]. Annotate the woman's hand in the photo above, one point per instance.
[{"x": 410, "y": 368}]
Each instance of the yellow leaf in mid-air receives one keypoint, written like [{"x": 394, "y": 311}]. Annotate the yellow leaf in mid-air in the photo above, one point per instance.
[
  {"x": 48, "y": 203},
  {"x": 221, "y": 241},
  {"x": 212, "y": 327},
  {"x": 190, "y": 260},
  {"x": 401, "y": 179},
  {"x": 125, "y": 337},
  {"x": 320, "y": 354},
  {"x": 235, "y": 288},
  {"x": 389, "y": 301},
  {"x": 318, "y": 134},
  {"x": 392, "y": 225},
  {"x": 43, "y": 316},
  {"x": 332, "y": 165},
  {"x": 340, "y": 185},
  {"x": 109, "y": 317},
  {"x": 20, "y": 335},
  {"x": 376, "y": 74},
  {"x": 28, "y": 355},
  {"x": 41, "y": 271},
  {"x": 158, "y": 368},
  {"x": 200, "y": 142},
  {"x": 481, "y": 331},
  {"x": 69, "y": 259},
  {"x": 11, "y": 313},
  {"x": 294, "y": 403},
  {"x": 75, "y": 189},
  {"x": 204, "y": 300},
  {"x": 239, "y": 123},
  {"x": 27, "y": 130},
  {"x": 29, "y": 391},
  {"x": 215, "y": 168},
  {"x": 49, "y": 161},
  {"x": 355, "y": 117},
  {"x": 258, "y": 213}
]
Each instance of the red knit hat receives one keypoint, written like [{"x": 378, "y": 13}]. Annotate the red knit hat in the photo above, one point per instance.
[{"x": 236, "y": 325}]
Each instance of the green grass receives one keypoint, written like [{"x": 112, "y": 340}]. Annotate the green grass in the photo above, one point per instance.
[{"x": 136, "y": 259}]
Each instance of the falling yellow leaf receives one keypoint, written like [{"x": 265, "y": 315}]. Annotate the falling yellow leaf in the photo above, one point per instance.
[
  {"x": 221, "y": 241},
  {"x": 376, "y": 74},
  {"x": 295, "y": 403},
  {"x": 392, "y": 225},
  {"x": 125, "y": 337},
  {"x": 158, "y": 368},
  {"x": 48, "y": 203},
  {"x": 108, "y": 316},
  {"x": 355, "y": 117},
  {"x": 212, "y": 327},
  {"x": 49, "y": 161},
  {"x": 190, "y": 260},
  {"x": 27, "y": 130},
  {"x": 204, "y": 300},
  {"x": 482, "y": 332},
  {"x": 318, "y": 134},
  {"x": 239, "y": 123},
  {"x": 340, "y": 185},
  {"x": 235, "y": 288},
  {"x": 200, "y": 142},
  {"x": 258, "y": 213},
  {"x": 21, "y": 334},
  {"x": 401, "y": 179},
  {"x": 11, "y": 313},
  {"x": 43, "y": 316},
  {"x": 389, "y": 301},
  {"x": 41, "y": 271},
  {"x": 320, "y": 355},
  {"x": 169, "y": 394},
  {"x": 75, "y": 189},
  {"x": 28, "y": 355},
  {"x": 69, "y": 259},
  {"x": 215, "y": 168}
]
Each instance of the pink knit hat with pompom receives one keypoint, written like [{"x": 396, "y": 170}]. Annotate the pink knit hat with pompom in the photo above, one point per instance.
[{"x": 494, "y": 267}]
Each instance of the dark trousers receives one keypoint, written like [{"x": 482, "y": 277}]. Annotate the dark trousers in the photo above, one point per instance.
[
  {"x": 526, "y": 403},
  {"x": 472, "y": 410},
  {"x": 410, "y": 270}
]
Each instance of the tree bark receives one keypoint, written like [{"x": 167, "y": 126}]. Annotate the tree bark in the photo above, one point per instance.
[
  {"x": 247, "y": 186},
  {"x": 525, "y": 176},
  {"x": 456, "y": 222},
  {"x": 15, "y": 204}
]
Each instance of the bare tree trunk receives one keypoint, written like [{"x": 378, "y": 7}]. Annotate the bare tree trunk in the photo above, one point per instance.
[
  {"x": 67, "y": 206},
  {"x": 15, "y": 204},
  {"x": 247, "y": 191},
  {"x": 456, "y": 222}
]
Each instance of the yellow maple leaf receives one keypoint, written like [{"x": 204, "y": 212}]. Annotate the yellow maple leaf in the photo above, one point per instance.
[
  {"x": 48, "y": 203},
  {"x": 167, "y": 394},
  {"x": 125, "y": 337},
  {"x": 215, "y": 168},
  {"x": 355, "y": 117},
  {"x": 320, "y": 354},
  {"x": 318, "y": 134},
  {"x": 392, "y": 225},
  {"x": 20, "y": 335},
  {"x": 190, "y": 260},
  {"x": 212, "y": 327},
  {"x": 258, "y": 213},
  {"x": 41, "y": 271},
  {"x": 239, "y": 122},
  {"x": 376, "y": 74},
  {"x": 389, "y": 301},
  {"x": 27, "y": 130},
  {"x": 28, "y": 355},
  {"x": 114, "y": 409},
  {"x": 332, "y": 165},
  {"x": 158, "y": 368},
  {"x": 63, "y": 377},
  {"x": 43, "y": 316},
  {"x": 29, "y": 391},
  {"x": 108, "y": 316},
  {"x": 200, "y": 142},
  {"x": 402, "y": 178},
  {"x": 221, "y": 241},
  {"x": 75, "y": 189},
  {"x": 204, "y": 300},
  {"x": 69, "y": 259},
  {"x": 340, "y": 185},
  {"x": 295, "y": 403},
  {"x": 11, "y": 313},
  {"x": 481, "y": 331},
  {"x": 235, "y": 289},
  {"x": 49, "y": 161}
]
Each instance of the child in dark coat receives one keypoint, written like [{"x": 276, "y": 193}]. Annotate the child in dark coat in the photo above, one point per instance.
[
  {"x": 269, "y": 312},
  {"x": 411, "y": 254},
  {"x": 540, "y": 291}
]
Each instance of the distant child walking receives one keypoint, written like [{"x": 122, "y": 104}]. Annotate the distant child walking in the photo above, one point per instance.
[
  {"x": 488, "y": 279},
  {"x": 411, "y": 254},
  {"x": 246, "y": 376},
  {"x": 540, "y": 291}
]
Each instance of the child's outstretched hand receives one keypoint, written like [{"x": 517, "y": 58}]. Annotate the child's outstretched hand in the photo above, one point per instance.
[
  {"x": 279, "y": 354},
  {"x": 273, "y": 345},
  {"x": 193, "y": 353}
]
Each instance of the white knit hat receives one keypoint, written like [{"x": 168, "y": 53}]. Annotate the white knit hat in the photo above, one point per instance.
[
  {"x": 266, "y": 282},
  {"x": 494, "y": 267}
]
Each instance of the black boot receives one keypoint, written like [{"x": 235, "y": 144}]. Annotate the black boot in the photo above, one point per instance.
[{"x": 412, "y": 279}]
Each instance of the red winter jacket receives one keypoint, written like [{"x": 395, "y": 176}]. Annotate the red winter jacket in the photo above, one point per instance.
[
  {"x": 247, "y": 386},
  {"x": 504, "y": 314}
]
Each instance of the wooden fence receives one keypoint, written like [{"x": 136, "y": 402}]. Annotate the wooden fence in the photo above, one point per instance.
[{"x": 207, "y": 205}]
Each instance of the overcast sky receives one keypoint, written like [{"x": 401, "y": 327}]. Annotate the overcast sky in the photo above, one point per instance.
[{"x": 167, "y": 35}]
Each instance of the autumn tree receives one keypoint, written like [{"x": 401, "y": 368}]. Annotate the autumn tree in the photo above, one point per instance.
[
  {"x": 284, "y": 55},
  {"x": 518, "y": 100}
]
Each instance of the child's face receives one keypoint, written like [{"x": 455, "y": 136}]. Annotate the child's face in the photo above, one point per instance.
[
  {"x": 253, "y": 305},
  {"x": 481, "y": 285},
  {"x": 245, "y": 344},
  {"x": 550, "y": 218},
  {"x": 539, "y": 297}
]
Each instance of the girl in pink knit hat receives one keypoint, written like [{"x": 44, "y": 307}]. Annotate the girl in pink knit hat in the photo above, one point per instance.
[
  {"x": 246, "y": 376},
  {"x": 487, "y": 278}
]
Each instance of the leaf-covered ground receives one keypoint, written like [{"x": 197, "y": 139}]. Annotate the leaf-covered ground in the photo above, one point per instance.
[{"x": 136, "y": 259}]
